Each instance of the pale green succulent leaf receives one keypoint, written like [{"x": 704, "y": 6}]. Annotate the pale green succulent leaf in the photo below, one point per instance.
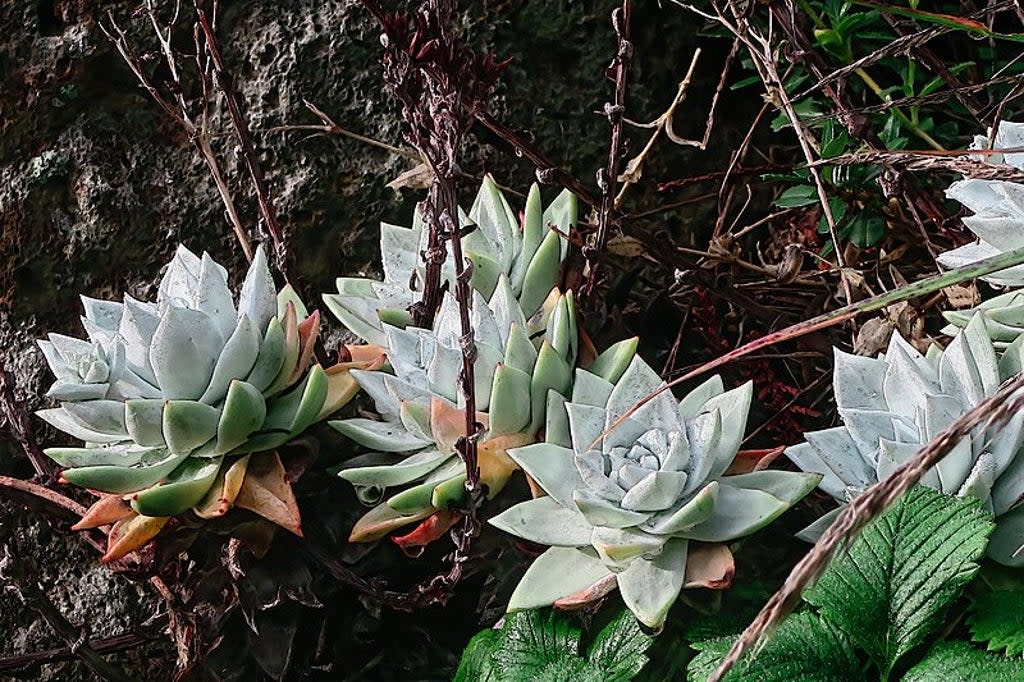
[
  {"x": 450, "y": 492},
  {"x": 599, "y": 511},
  {"x": 556, "y": 425},
  {"x": 520, "y": 352},
  {"x": 649, "y": 586},
  {"x": 485, "y": 272},
  {"x": 237, "y": 359},
  {"x": 404, "y": 471},
  {"x": 510, "y": 401},
  {"x": 354, "y": 312},
  {"x": 738, "y": 512},
  {"x": 100, "y": 416},
  {"x": 258, "y": 298},
  {"x": 184, "y": 488},
  {"x": 184, "y": 338},
  {"x": 612, "y": 363},
  {"x": 413, "y": 500},
  {"x": 287, "y": 295},
  {"x": 555, "y": 574},
  {"x": 242, "y": 415},
  {"x": 656, "y": 491},
  {"x": 270, "y": 359},
  {"x": 187, "y": 424},
  {"x": 380, "y": 435},
  {"x": 58, "y": 418},
  {"x": 152, "y": 469},
  {"x": 144, "y": 421},
  {"x": 553, "y": 469},
  {"x": 544, "y": 521},
  {"x": 118, "y": 454},
  {"x": 619, "y": 547},
  {"x": 691, "y": 513},
  {"x": 1006, "y": 544},
  {"x": 541, "y": 274},
  {"x": 788, "y": 486}
]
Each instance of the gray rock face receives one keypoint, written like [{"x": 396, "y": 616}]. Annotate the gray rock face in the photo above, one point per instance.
[{"x": 97, "y": 186}]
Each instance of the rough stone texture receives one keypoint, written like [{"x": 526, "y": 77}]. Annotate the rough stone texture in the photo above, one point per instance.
[{"x": 97, "y": 186}]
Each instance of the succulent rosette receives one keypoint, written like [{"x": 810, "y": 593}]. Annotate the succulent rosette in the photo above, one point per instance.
[
  {"x": 626, "y": 505},
  {"x": 169, "y": 395},
  {"x": 997, "y": 207},
  {"x": 1002, "y": 315},
  {"x": 529, "y": 255},
  {"x": 894, "y": 404},
  {"x": 521, "y": 363}
]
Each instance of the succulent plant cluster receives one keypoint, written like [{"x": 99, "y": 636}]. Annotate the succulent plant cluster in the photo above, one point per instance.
[
  {"x": 181, "y": 403},
  {"x": 529, "y": 256},
  {"x": 624, "y": 500},
  {"x": 521, "y": 364},
  {"x": 997, "y": 207},
  {"x": 168, "y": 395},
  {"x": 893, "y": 404}
]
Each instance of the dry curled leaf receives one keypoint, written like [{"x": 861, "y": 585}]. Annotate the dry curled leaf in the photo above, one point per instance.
[{"x": 267, "y": 492}]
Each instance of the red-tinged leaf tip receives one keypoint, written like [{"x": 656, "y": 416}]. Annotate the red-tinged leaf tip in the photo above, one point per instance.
[
  {"x": 428, "y": 530},
  {"x": 131, "y": 533},
  {"x": 106, "y": 510},
  {"x": 588, "y": 595}
]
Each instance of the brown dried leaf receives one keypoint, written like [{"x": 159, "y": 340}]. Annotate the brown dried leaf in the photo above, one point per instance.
[
  {"x": 266, "y": 491},
  {"x": 709, "y": 565},
  {"x": 419, "y": 176},
  {"x": 962, "y": 295}
]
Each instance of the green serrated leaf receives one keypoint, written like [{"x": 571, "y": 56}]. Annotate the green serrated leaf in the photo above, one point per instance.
[
  {"x": 475, "y": 665},
  {"x": 619, "y": 649},
  {"x": 538, "y": 645},
  {"x": 961, "y": 662},
  {"x": 545, "y": 646},
  {"x": 997, "y": 618},
  {"x": 805, "y": 647},
  {"x": 890, "y": 589}
]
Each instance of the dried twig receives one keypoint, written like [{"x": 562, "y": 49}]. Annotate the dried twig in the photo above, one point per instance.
[
  {"x": 19, "y": 573},
  {"x": 19, "y": 426},
  {"x": 608, "y": 177},
  {"x": 992, "y": 413},
  {"x": 548, "y": 171},
  {"x": 242, "y": 132},
  {"x": 662, "y": 124},
  {"x": 195, "y": 124},
  {"x": 106, "y": 645}
]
